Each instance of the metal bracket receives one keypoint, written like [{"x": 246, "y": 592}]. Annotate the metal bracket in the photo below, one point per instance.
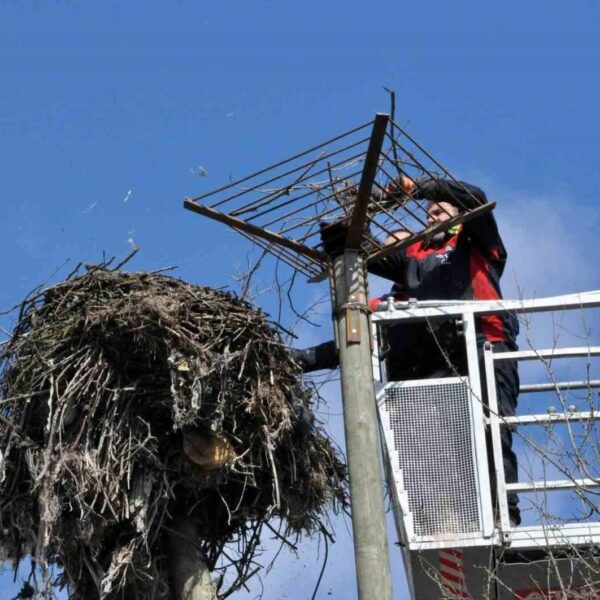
[{"x": 353, "y": 328}]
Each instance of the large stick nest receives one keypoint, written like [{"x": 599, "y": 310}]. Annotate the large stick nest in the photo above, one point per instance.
[{"x": 112, "y": 385}]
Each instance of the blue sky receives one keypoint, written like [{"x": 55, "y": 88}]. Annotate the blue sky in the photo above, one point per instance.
[{"x": 107, "y": 107}]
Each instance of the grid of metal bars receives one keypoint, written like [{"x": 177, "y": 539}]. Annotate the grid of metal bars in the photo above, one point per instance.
[
  {"x": 431, "y": 426},
  {"x": 281, "y": 207}
]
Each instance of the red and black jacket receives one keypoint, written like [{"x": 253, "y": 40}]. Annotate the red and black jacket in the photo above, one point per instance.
[{"x": 465, "y": 265}]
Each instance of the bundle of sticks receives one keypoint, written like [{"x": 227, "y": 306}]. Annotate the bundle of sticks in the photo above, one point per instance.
[{"x": 129, "y": 400}]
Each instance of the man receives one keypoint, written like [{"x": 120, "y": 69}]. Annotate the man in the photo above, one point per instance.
[{"x": 464, "y": 263}]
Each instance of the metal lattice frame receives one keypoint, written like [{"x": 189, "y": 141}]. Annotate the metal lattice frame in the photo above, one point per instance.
[
  {"x": 430, "y": 422},
  {"x": 352, "y": 178}
]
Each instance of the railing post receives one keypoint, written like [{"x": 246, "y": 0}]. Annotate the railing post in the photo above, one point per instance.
[{"x": 495, "y": 424}]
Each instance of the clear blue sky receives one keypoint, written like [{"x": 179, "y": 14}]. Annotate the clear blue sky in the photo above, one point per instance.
[{"x": 107, "y": 107}]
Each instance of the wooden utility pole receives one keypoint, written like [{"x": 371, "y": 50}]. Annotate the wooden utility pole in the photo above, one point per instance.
[
  {"x": 358, "y": 392},
  {"x": 189, "y": 574},
  {"x": 360, "y": 425}
]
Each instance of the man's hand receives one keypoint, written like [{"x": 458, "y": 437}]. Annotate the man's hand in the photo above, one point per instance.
[{"x": 402, "y": 184}]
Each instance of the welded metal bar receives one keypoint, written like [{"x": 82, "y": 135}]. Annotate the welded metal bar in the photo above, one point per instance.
[
  {"x": 284, "y": 255},
  {"x": 323, "y": 214},
  {"x": 408, "y": 210},
  {"x": 254, "y": 205},
  {"x": 418, "y": 187},
  {"x": 274, "y": 194},
  {"x": 316, "y": 219},
  {"x": 559, "y": 385},
  {"x": 342, "y": 219},
  {"x": 315, "y": 255},
  {"x": 407, "y": 161},
  {"x": 435, "y": 161},
  {"x": 277, "y": 193},
  {"x": 387, "y": 231},
  {"x": 416, "y": 164},
  {"x": 494, "y": 421},
  {"x": 302, "y": 208},
  {"x": 431, "y": 175},
  {"x": 549, "y": 353},
  {"x": 383, "y": 209},
  {"x": 280, "y": 163},
  {"x": 554, "y": 485},
  {"x": 359, "y": 215},
  {"x": 558, "y": 417},
  {"x": 368, "y": 239},
  {"x": 390, "y": 231},
  {"x": 404, "y": 163},
  {"x": 477, "y": 212}
]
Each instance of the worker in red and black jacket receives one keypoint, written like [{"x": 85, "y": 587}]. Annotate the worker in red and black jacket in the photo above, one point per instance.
[{"x": 464, "y": 263}]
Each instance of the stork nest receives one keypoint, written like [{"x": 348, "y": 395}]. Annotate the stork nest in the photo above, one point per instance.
[{"x": 113, "y": 385}]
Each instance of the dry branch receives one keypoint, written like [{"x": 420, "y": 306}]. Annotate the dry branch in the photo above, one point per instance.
[{"x": 117, "y": 391}]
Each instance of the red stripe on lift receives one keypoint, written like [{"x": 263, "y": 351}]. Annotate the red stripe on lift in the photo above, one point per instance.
[
  {"x": 451, "y": 565},
  {"x": 445, "y": 575}
]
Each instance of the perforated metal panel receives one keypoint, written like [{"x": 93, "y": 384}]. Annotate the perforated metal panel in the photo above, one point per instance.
[{"x": 431, "y": 426}]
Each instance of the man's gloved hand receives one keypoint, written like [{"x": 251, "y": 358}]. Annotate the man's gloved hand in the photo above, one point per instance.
[
  {"x": 333, "y": 236},
  {"x": 402, "y": 185},
  {"x": 315, "y": 358}
]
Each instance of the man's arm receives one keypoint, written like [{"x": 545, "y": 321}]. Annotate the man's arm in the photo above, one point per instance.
[
  {"x": 315, "y": 358},
  {"x": 463, "y": 195},
  {"x": 391, "y": 266}
]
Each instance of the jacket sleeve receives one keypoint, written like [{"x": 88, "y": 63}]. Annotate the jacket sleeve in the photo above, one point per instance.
[
  {"x": 483, "y": 230},
  {"x": 391, "y": 266}
]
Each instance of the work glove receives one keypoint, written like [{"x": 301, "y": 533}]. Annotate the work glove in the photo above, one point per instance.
[
  {"x": 401, "y": 186},
  {"x": 315, "y": 358},
  {"x": 333, "y": 236}
]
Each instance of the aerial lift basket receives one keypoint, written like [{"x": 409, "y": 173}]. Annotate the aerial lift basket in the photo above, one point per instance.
[{"x": 442, "y": 451}]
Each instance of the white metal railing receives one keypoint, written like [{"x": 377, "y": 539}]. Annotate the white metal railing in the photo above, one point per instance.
[
  {"x": 498, "y": 530},
  {"x": 568, "y": 415},
  {"x": 549, "y": 353}
]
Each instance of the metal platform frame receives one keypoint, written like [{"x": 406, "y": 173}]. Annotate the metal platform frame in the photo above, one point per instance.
[{"x": 495, "y": 530}]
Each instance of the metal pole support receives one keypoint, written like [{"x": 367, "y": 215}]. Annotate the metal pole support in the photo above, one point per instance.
[{"x": 361, "y": 429}]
